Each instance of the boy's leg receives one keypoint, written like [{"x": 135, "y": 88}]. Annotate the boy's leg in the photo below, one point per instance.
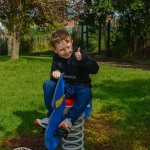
[
  {"x": 48, "y": 88},
  {"x": 83, "y": 96}
]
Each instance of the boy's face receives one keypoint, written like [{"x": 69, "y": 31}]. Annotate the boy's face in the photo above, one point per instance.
[{"x": 64, "y": 49}]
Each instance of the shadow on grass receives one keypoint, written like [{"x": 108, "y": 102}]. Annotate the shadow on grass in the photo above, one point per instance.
[
  {"x": 125, "y": 113},
  {"x": 122, "y": 90},
  {"x": 1, "y": 128},
  {"x": 28, "y": 117},
  {"x": 4, "y": 58}
]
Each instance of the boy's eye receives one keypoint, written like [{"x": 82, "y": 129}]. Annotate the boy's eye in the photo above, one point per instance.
[{"x": 61, "y": 50}]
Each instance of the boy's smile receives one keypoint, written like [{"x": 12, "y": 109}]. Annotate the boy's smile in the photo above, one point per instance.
[{"x": 64, "y": 49}]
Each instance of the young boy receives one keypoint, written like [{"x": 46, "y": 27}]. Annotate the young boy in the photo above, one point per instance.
[{"x": 76, "y": 66}]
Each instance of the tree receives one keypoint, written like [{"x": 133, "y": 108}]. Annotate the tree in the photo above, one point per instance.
[
  {"x": 132, "y": 21},
  {"x": 19, "y": 15},
  {"x": 134, "y": 24},
  {"x": 95, "y": 14}
]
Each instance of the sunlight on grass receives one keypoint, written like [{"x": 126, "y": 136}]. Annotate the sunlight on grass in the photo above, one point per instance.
[{"x": 120, "y": 119}]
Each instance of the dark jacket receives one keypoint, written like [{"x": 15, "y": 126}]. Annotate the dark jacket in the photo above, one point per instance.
[{"x": 75, "y": 72}]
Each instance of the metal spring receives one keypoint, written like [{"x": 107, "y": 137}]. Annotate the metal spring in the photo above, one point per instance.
[{"x": 75, "y": 139}]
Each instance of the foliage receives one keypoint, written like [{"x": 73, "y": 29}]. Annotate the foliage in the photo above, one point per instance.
[
  {"x": 35, "y": 42},
  {"x": 18, "y": 16},
  {"x": 37, "y": 39},
  {"x": 23, "y": 14},
  {"x": 96, "y": 13},
  {"x": 133, "y": 23},
  {"x": 131, "y": 19}
]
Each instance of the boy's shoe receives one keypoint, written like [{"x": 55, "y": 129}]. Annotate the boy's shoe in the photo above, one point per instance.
[
  {"x": 42, "y": 122},
  {"x": 63, "y": 128},
  {"x": 65, "y": 124}
]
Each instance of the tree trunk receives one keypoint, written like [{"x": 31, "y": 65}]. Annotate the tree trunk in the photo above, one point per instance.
[
  {"x": 108, "y": 50},
  {"x": 105, "y": 36},
  {"x": 148, "y": 39},
  {"x": 82, "y": 36},
  {"x": 99, "y": 39},
  {"x": 10, "y": 44},
  {"x": 13, "y": 46},
  {"x": 87, "y": 37},
  {"x": 135, "y": 43}
]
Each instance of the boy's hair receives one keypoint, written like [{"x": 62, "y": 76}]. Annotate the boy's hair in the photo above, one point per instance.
[{"x": 58, "y": 36}]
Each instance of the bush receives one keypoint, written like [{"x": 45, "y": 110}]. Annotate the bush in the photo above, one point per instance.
[
  {"x": 35, "y": 43},
  {"x": 3, "y": 48}
]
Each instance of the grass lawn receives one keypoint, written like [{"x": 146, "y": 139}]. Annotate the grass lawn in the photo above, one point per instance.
[{"x": 120, "y": 119}]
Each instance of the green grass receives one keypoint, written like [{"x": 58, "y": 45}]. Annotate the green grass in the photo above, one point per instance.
[
  {"x": 21, "y": 95},
  {"x": 121, "y": 104},
  {"x": 122, "y": 108}
]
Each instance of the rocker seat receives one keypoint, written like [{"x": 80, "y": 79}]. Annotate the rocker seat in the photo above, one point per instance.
[{"x": 70, "y": 102}]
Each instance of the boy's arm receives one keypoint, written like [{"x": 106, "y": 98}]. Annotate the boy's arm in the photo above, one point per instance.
[
  {"x": 54, "y": 67},
  {"x": 90, "y": 65}
]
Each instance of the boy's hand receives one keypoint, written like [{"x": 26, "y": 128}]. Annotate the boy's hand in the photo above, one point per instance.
[
  {"x": 56, "y": 74},
  {"x": 78, "y": 54}
]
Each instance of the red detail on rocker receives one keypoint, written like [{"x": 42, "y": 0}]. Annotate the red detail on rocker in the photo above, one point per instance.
[{"x": 69, "y": 102}]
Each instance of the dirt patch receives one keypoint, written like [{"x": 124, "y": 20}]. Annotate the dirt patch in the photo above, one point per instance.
[{"x": 34, "y": 142}]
